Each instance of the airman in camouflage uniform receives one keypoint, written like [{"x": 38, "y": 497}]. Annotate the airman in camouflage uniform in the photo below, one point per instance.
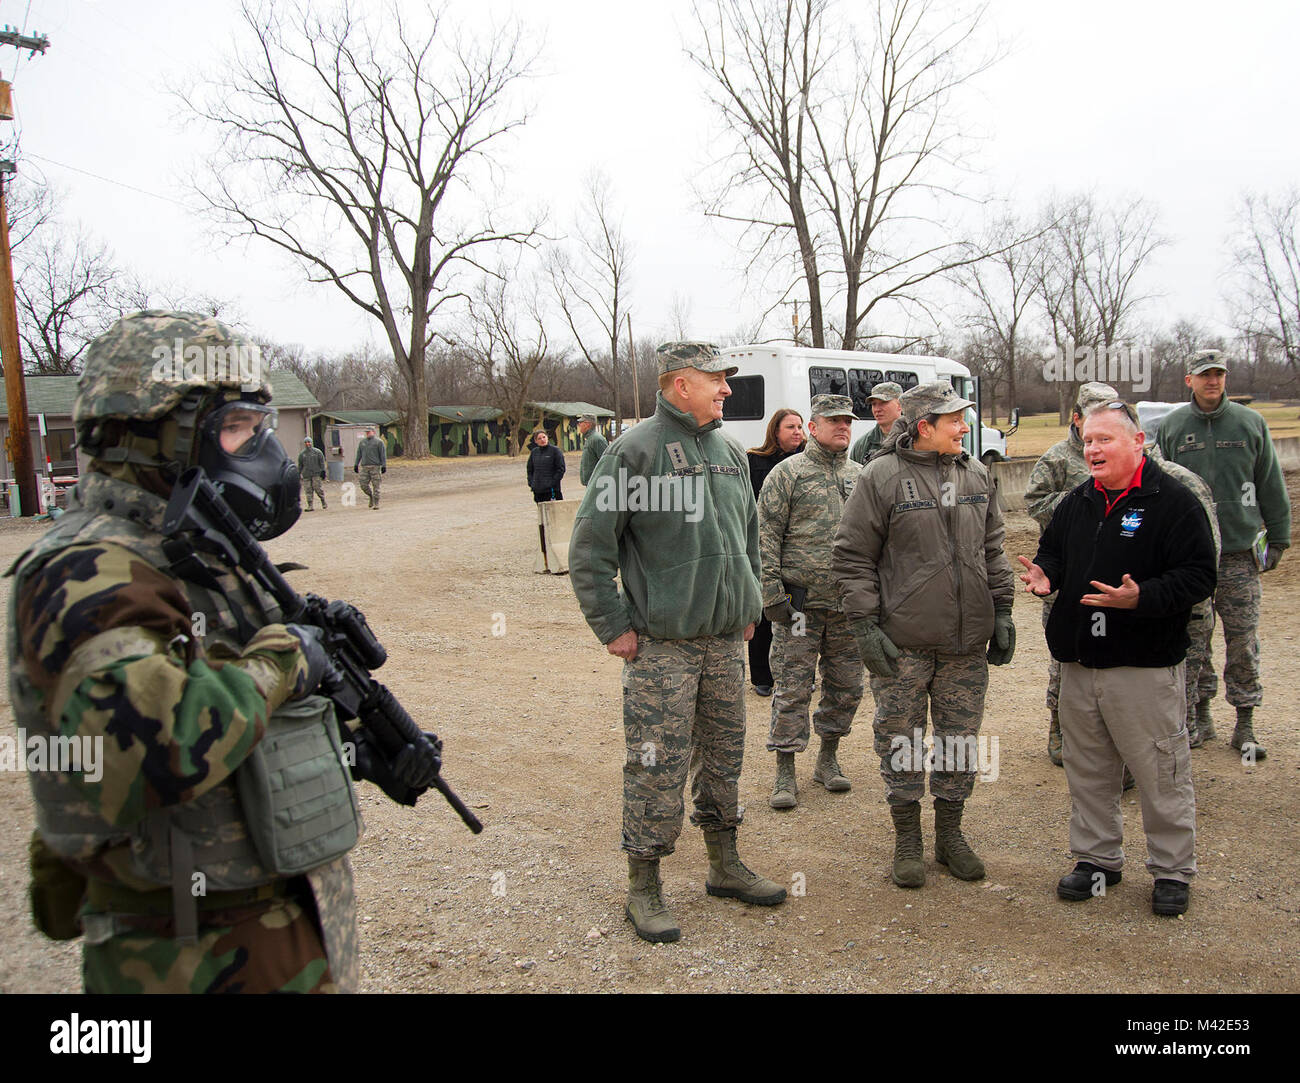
[
  {"x": 928, "y": 590},
  {"x": 670, "y": 512},
  {"x": 798, "y": 512},
  {"x": 886, "y": 410},
  {"x": 371, "y": 463},
  {"x": 181, "y": 680},
  {"x": 1059, "y": 469},
  {"x": 311, "y": 468}
]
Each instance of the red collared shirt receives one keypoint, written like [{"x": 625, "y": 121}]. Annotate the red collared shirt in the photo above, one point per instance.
[{"x": 1134, "y": 482}]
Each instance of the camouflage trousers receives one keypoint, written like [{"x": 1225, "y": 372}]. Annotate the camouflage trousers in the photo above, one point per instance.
[
  {"x": 952, "y": 686},
  {"x": 370, "y": 476},
  {"x": 1236, "y": 601},
  {"x": 1200, "y": 629},
  {"x": 826, "y": 635},
  {"x": 314, "y": 487},
  {"x": 270, "y": 948},
  {"x": 683, "y": 714}
]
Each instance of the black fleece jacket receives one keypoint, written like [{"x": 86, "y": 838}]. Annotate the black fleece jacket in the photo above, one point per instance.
[{"x": 1158, "y": 534}]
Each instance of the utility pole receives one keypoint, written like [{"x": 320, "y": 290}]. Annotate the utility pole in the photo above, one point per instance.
[
  {"x": 20, "y": 443},
  {"x": 636, "y": 383}
]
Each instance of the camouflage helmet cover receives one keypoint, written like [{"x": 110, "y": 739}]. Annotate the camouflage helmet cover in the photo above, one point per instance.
[{"x": 145, "y": 364}]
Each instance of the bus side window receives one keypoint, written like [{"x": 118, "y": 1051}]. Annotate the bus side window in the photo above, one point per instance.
[
  {"x": 905, "y": 380},
  {"x": 861, "y": 381},
  {"x": 826, "y": 381},
  {"x": 746, "y": 400}
]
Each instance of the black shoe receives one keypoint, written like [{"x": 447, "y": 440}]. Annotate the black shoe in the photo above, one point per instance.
[
  {"x": 1080, "y": 884},
  {"x": 1169, "y": 897},
  {"x": 762, "y": 689}
]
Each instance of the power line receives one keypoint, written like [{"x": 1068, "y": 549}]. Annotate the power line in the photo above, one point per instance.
[{"x": 107, "y": 180}]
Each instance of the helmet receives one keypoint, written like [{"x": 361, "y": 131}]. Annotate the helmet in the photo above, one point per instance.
[
  {"x": 146, "y": 363},
  {"x": 163, "y": 377}
]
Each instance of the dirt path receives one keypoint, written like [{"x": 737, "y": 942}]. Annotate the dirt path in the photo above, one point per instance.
[{"x": 532, "y": 725}]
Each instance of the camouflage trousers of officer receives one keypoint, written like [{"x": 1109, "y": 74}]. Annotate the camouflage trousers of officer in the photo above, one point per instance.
[
  {"x": 952, "y": 687},
  {"x": 269, "y": 948},
  {"x": 370, "y": 476},
  {"x": 1053, "y": 666},
  {"x": 314, "y": 487},
  {"x": 683, "y": 715},
  {"x": 1236, "y": 601},
  {"x": 826, "y": 635}
]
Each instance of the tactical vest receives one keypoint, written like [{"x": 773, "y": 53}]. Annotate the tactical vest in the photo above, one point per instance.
[{"x": 234, "y": 834}]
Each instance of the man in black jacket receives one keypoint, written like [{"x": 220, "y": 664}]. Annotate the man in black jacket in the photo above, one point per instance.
[{"x": 1130, "y": 552}]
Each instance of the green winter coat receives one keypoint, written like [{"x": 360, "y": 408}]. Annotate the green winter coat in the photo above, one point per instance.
[
  {"x": 671, "y": 512},
  {"x": 1231, "y": 449},
  {"x": 592, "y": 450}
]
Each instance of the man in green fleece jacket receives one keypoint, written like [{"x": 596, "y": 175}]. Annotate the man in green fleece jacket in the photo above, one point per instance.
[
  {"x": 669, "y": 510},
  {"x": 593, "y": 447},
  {"x": 1229, "y": 446}
]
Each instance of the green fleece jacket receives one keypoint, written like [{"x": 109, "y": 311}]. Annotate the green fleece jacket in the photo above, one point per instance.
[
  {"x": 670, "y": 510},
  {"x": 1231, "y": 449}
]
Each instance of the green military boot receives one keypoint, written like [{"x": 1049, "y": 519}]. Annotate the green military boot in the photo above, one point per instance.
[
  {"x": 785, "y": 794},
  {"x": 645, "y": 908},
  {"x": 729, "y": 878},
  {"x": 827, "y": 771},
  {"x": 950, "y": 847},
  {"x": 1243, "y": 737},
  {"x": 909, "y": 860},
  {"x": 1194, "y": 736},
  {"x": 1205, "y": 721},
  {"x": 1054, "y": 740}
]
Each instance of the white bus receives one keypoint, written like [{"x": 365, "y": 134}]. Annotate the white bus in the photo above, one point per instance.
[{"x": 771, "y": 377}]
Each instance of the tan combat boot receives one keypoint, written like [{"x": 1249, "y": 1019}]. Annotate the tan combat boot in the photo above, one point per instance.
[
  {"x": 729, "y": 878},
  {"x": 950, "y": 848},
  {"x": 645, "y": 908},
  {"x": 827, "y": 771},
  {"x": 1205, "y": 721},
  {"x": 785, "y": 794},
  {"x": 1054, "y": 740},
  {"x": 1194, "y": 736},
  {"x": 1243, "y": 737},
  {"x": 909, "y": 862}
]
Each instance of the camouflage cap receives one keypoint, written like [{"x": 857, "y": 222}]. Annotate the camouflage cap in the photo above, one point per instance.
[
  {"x": 703, "y": 356},
  {"x": 147, "y": 362},
  {"x": 887, "y": 392},
  {"x": 932, "y": 398},
  {"x": 1092, "y": 395},
  {"x": 1204, "y": 360},
  {"x": 590, "y": 418},
  {"x": 832, "y": 406}
]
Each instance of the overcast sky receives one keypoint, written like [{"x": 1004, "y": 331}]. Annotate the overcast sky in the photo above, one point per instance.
[{"x": 1186, "y": 104}]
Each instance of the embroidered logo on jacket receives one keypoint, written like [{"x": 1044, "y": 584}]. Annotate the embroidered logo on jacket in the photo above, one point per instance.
[{"x": 1130, "y": 522}]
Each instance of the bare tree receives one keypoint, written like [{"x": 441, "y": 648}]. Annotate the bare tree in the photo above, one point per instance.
[
  {"x": 764, "y": 59},
  {"x": 360, "y": 146},
  {"x": 1089, "y": 263},
  {"x": 507, "y": 344},
  {"x": 1267, "y": 266},
  {"x": 592, "y": 286},
  {"x": 842, "y": 149}
]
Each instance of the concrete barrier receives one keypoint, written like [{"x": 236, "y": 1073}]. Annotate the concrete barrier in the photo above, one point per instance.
[
  {"x": 555, "y": 528},
  {"x": 1012, "y": 476}
]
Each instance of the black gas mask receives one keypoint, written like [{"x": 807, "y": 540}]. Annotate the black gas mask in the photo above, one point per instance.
[{"x": 240, "y": 453}]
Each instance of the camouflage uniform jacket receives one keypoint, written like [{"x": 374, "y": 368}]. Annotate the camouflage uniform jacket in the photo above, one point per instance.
[
  {"x": 1060, "y": 469},
  {"x": 798, "y": 513},
  {"x": 171, "y": 681},
  {"x": 592, "y": 450},
  {"x": 919, "y": 549},
  {"x": 1230, "y": 447},
  {"x": 867, "y": 445},
  {"x": 311, "y": 463},
  {"x": 670, "y": 511}
]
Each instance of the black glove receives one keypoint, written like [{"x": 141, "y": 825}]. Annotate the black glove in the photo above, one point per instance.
[
  {"x": 320, "y": 670},
  {"x": 356, "y": 470},
  {"x": 1272, "y": 555},
  {"x": 383, "y": 470},
  {"x": 394, "y": 778},
  {"x": 1003, "y": 644}
]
